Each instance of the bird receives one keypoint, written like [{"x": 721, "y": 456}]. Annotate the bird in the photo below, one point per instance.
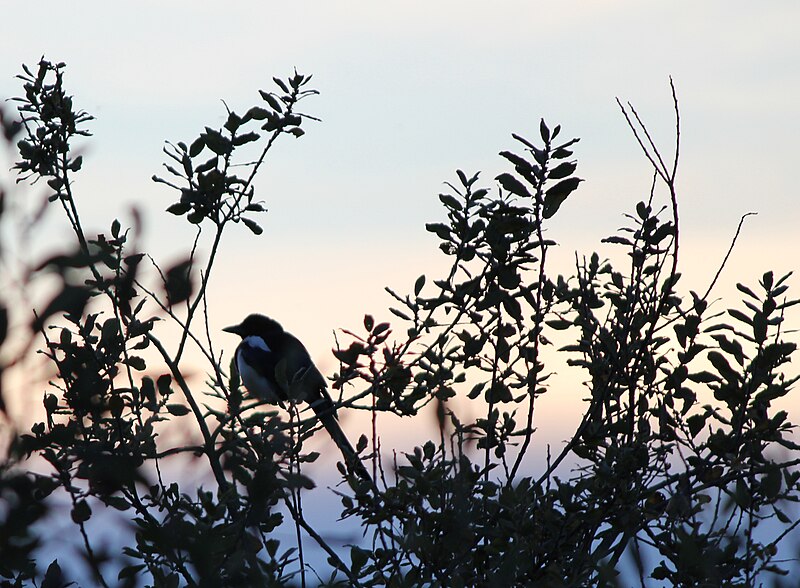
[{"x": 276, "y": 367}]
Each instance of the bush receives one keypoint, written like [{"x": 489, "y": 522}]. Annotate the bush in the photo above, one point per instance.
[{"x": 683, "y": 488}]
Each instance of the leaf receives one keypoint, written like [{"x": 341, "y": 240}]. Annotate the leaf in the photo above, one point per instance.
[
  {"x": 513, "y": 185},
  {"x": 147, "y": 392},
  {"x": 516, "y": 159},
  {"x": 246, "y": 138},
  {"x": 197, "y": 147},
  {"x": 216, "y": 142},
  {"x": 703, "y": 377},
  {"x": 281, "y": 84},
  {"x": 723, "y": 367},
  {"x": 55, "y": 183},
  {"x": 539, "y": 155},
  {"x": 177, "y": 409},
  {"x": 441, "y": 230},
  {"x": 71, "y": 300},
  {"x": 186, "y": 161},
  {"x": 559, "y": 324},
  {"x": 136, "y": 363},
  {"x": 739, "y": 315},
  {"x": 450, "y": 202},
  {"x": 178, "y": 283},
  {"x": 117, "y": 502},
  {"x": 782, "y": 517},
  {"x": 399, "y": 314},
  {"x": 742, "y": 495},
  {"x": 350, "y": 355},
  {"x": 256, "y": 113},
  {"x": 419, "y": 284},
  {"x": 696, "y": 423},
  {"x": 767, "y": 280},
  {"x": 524, "y": 141},
  {"x": 562, "y": 170},
  {"x": 544, "y": 131},
  {"x": 731, "y": 347},
  {"x": 774, "y": 354},
  {"x": 163, "y": 384},
  {"x": 173, "y": 171},
  {"x": 759, "y": 327},
  {"x": 513, "y": 308},
  {"x": 233, "y": 123},
  {"x": 476, "y": 390},
  {"x": 81, "y": 512},
  {"x": 253, "y": 226},
  {"x": 617, "y": 240},
  {"x": 53, "y": 578},
  {"x": 744, "y": 289},
  {"x": 179, "y": 208},
  {"x": 771, "y": 483},
  {"x": 358, "y": 557},
  {"x": 129, "y": 571},
  {"x": 270, "y": 99},
  {"x": 207, "y": 166},
  {"x": 556, "y": 195},
  {"x": 660, "y": 233}
]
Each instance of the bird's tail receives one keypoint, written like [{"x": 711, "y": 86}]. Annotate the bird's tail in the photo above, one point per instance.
[{"x": 326, "y": 413}]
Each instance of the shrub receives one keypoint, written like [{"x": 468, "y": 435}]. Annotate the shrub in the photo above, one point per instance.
[{"x": 683, "y": 487}]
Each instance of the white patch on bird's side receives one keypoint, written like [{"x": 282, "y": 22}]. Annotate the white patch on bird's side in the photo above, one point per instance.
[
  {"x": 255, "y": 383},
  {"x": 256, "y": 341}
]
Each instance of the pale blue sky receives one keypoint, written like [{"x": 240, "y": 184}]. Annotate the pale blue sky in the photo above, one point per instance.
[{"x": 410, "y": 91}]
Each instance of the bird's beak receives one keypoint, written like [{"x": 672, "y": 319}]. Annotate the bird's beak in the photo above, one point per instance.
[{"x": 234, "y": 329}]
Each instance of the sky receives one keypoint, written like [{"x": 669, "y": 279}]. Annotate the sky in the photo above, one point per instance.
[{"x": 410, "y": 92}]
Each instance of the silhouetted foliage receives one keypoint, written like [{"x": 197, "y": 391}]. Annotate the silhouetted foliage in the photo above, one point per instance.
[{"x": 655, "y": 471}]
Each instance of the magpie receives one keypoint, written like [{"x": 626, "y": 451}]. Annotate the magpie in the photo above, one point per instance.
[{"x": 275, "y": 366}]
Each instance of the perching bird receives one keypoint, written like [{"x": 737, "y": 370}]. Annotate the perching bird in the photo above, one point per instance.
[{"x": 275, "y": 366}]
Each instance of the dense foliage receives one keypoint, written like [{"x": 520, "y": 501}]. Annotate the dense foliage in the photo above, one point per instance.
[{"x": 653, "y": 475}]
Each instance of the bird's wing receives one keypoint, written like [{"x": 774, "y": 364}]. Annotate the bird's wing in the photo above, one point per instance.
[
  {"x": 310, "y": 382},
  {"x": 299, "y": 373}
]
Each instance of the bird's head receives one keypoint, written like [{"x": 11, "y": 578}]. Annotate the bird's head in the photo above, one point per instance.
[{"x": 255, "y": 324}]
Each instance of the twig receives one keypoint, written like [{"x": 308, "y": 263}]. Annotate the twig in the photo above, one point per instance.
[
  {"x": 296, "y": 491},
  {"x": 216, "y": 467},
  {"x": 677, "y": 128},
  {"x": 340, "y": 565},
  {"x": 728, "y": 254}
]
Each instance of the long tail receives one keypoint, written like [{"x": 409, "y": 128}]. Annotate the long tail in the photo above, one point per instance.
[{"x": 326, "y": 412}]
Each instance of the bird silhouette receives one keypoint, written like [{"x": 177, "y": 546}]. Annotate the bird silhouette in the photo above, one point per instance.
[{"x": 276, "y": 367}]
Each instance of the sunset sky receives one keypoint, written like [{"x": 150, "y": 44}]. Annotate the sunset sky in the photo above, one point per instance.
[{"x": 409, "y": 92}]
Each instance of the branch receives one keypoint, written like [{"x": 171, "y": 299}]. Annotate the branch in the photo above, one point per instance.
[
  {"x": 216, "y": 467},
  {"x": 728, "y": 254},
  {"x": 332, "y": 555}
]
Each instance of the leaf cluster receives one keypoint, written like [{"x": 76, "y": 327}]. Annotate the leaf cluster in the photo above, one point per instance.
[{"x": 210, "y": 189}]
